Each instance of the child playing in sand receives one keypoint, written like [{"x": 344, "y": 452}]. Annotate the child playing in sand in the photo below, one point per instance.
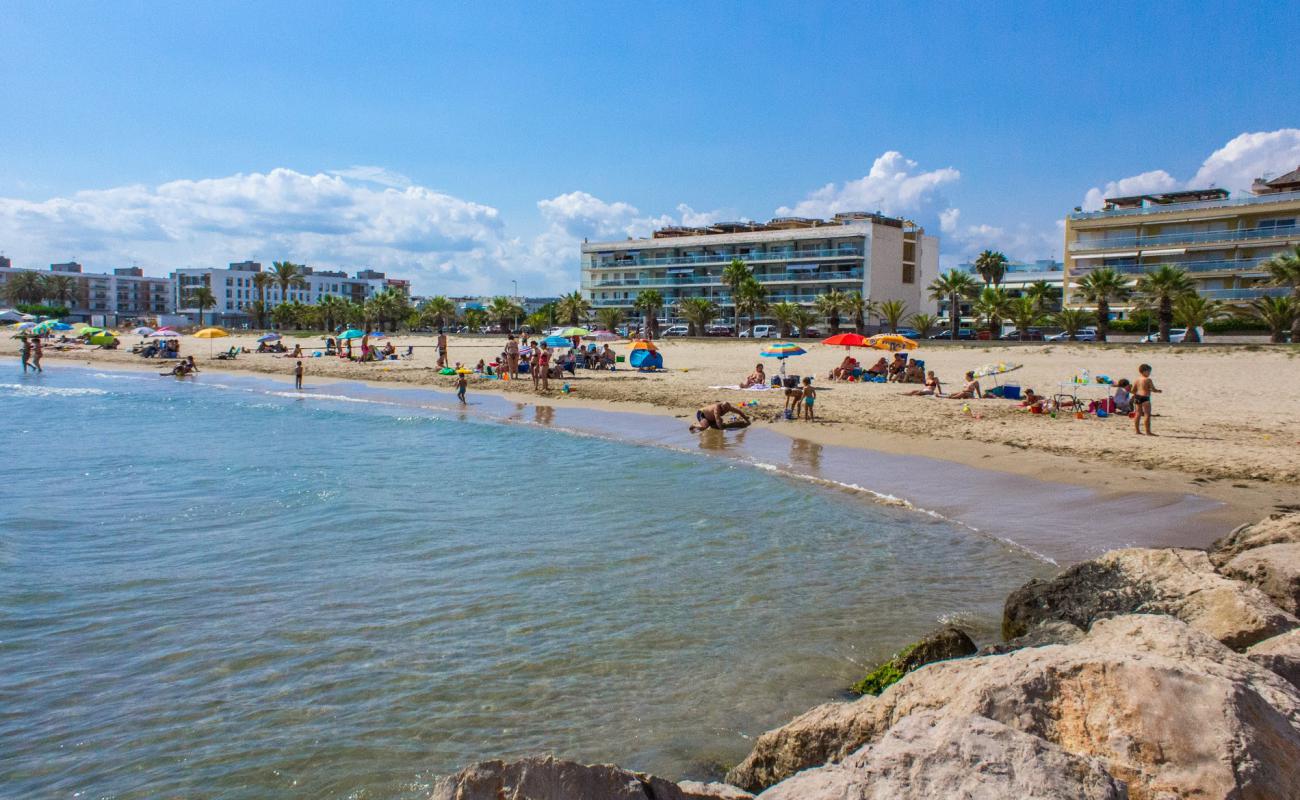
[
  {"x": 793, "y": 395},
  {"x": 1143, "y": 388},
  {"x": 809, "y": 397}
]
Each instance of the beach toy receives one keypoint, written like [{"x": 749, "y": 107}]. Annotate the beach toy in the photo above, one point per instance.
[
  {"x": 1101, "y": 412},
  {"x": 565, "y": 388},
  {"x": 965, "y": 409},
  {"x": 1078, "y": 415}
]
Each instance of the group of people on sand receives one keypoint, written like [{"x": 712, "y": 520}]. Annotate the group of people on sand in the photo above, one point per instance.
[
  {"x": 343, "y": 349},
  {"x": 933, "y": 388},
  {"x": 899, "y": 370},
  {"x": 1130, "y": 397},
  {"x": 541, "y": 363},
  {"x": 184, "y": 368}
]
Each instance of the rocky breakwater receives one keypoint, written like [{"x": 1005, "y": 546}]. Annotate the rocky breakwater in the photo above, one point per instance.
[{"x": 1148, "y": 674}]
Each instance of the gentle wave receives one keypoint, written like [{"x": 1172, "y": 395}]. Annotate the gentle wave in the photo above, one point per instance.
[{"x": 50, "y": 391}]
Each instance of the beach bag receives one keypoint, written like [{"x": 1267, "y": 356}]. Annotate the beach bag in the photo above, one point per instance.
[{"x": 1011, "y": 391}]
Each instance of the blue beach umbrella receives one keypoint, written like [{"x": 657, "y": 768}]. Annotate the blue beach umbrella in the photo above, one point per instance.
[
  {"x": 269, "y": 337},
  {"x": 557, "y": 341},
  {"x": 352, "y": 333},
  {"x": 782, "y": 350}
]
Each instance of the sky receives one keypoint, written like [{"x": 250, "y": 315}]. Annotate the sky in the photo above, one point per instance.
[{"x": 469, "y": 145}]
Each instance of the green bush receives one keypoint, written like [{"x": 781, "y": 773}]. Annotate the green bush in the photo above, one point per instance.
[
  {"x": 42, "y": 310},
  {"x": 1235, "y": 324}
]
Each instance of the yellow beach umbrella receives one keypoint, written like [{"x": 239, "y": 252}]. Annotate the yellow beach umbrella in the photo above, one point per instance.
[
  {"x": 210, "y": 333},
  {"x": 891, "y": 341}
]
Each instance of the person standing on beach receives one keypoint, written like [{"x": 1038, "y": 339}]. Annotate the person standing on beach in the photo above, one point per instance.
[
  {"x": 297, "y": 376},
  {"x": 544, "y": 366},
  {"x": 442, "y": 349},
  {"x": 512, "y": 357},
  {"x": 38, "y": 350},
  {"x": 809, "y": 397},
  {"x": 26, "y": 354},
  {"x": 1143, "y": 388},
  {"x": 462, "y": 381}
]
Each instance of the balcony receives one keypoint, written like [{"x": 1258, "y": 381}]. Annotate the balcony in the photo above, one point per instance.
[
  {"x": 1191, "y": 237},
  {"x": 1237, "y": 266},
  {"x": 716, "y": 280},
  {"x": 726, "y": 258},
  {"x": 1244, "y": 294},
  {"x": 1252, "y": 200}
]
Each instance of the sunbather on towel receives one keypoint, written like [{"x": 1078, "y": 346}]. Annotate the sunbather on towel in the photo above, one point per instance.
[
  {"x": 932, "y": 387},
  {"x": 755, "y": 377},
  {"x": 970, "y": 391}
]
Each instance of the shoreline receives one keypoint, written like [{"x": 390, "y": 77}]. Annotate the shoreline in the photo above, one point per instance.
[{"x": 999, "y": 494}]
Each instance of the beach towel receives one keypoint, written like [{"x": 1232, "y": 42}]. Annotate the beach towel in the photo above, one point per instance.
[{"x": 758, "y": 387}]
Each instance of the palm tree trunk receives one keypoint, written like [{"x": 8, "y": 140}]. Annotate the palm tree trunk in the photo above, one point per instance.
[
  {"x": 1103, "y": 319},
  {"x": 1295, "y": 322},
  {"x": 1166, "y": 317},
  {"x": 953, "y": 316},
  {"x": 859, "y": 323}
]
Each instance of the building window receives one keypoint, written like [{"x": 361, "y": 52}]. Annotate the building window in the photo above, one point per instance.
[{"x": 909, "y": 273}]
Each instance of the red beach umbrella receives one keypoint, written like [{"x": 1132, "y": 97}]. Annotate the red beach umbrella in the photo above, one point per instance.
[{"x": 847, "y": 340}]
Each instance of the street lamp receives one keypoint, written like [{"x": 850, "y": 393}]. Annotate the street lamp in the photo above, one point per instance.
[{"x": 515, "y": 297}]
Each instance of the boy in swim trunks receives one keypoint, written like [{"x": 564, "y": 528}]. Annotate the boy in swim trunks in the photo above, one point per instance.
[
  {"x": 809, "y": 397},
  {"x": 1143, "y": 388}
]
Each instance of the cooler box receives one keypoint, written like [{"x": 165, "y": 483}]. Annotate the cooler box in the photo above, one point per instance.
[{"x": 1011, "y": 391}]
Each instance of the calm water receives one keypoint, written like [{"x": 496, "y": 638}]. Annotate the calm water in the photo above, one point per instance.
[{"x": 217, "y": 588}]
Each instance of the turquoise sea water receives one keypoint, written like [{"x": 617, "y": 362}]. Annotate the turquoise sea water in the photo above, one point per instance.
[{"x": 223, "y": 588}]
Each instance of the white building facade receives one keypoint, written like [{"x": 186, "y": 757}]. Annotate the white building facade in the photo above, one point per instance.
[
  {"x": 797, "y": 259},
  {"x": 109, "y": 298},
  {"x": 235, "y": 291}
]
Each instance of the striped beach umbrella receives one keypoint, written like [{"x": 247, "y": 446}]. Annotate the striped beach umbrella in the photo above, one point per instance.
[{"x": 782, "y": 350}]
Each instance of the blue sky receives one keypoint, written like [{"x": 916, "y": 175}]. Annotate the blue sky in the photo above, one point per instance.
[{"x": 468, "y": 145}]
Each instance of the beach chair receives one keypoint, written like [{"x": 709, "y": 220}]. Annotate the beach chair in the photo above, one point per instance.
[{"x": 229, "y": 355}]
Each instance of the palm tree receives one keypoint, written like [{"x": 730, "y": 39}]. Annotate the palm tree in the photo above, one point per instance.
[
  {"x": 924, "y": 323},
  {"x": 1284, "y": 270},
  {"x": 648, "y": 302},
  {"x": 1046, "y": 296},
  {"x": 993, "y": 304},
  {"x": 1159, "y": 288},
  {"x": 573, "y": 307},
  {"x": 734, "y": 276},
  {"x": 287, "y": 275},
  {"x": 1024, "y": 313},
  {"x": 991, "y": 266},
  {"x": 475, "y": 319},
  {"x": 505, "y": 311},
  {"x": 1101, "y": 286},
  {"x": 332, "y": 310},
  {"x": 59, "y": 289},
  {"x": 892, "y": 312},
  {"x": 257, "y": 310},
  {"x": 785, "y": 314},
  {"x": 753, "y": 300},
  {"x": 24, "y": 288},
  {"x": 1071, "y": 320},
  {"x": 203, "y": 299},
  {"x": 609, "y": 318},
  {"x": 804, "y": 319},
  {"x": 829, "y": 305},
  {"x": 261, "y": 282},
  {"x": 861, "y": 308},
  {"x": 1278, "y": 313},
  {"x": 1193, "y": 311},
  {"x": 440, "y": 311},
  {"x": 698, "y": 312},
  {"x": 537, "y": 321},
  {"x": 952, "y": 286}
]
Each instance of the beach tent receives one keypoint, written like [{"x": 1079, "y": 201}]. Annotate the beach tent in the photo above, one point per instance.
[
  {"x": 645, "y": 356},
  {"x": 557, "y": 341}
]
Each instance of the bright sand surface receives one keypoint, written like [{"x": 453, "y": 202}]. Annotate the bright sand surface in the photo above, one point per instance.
[{"x": 1226, "y": 419}]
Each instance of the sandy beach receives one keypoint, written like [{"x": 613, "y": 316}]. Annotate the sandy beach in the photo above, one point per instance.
[{"x": 1225, "y": 420}]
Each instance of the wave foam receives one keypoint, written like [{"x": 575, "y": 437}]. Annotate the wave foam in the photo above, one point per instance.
[{"x": 50, "y": 391}]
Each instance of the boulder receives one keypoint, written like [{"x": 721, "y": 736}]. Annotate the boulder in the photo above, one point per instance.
[
  {"x": 934, "y": 755},
  {"x": 1052, "y": 631},
  {"x": 695, "y": 790},
  {"x": 1181, "y": 583},
  {"x": 1280, "y": 528},
  {"x": 1274, "y": 569},
  {"x": 546, "y": 778},
  {"x": 943, "y": 644},
  {"x": 1281, "y": 654},
  {"x": 1164, "y": 707}
]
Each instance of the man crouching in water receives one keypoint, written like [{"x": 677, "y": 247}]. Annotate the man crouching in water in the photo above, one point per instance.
[{"x": 711, "y": 416}]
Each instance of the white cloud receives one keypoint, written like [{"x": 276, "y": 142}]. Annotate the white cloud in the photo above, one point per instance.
[
  {"x": 948, "y": 220},
  {"x": 1235, "y": 166},
  {"x": 444, "y": 243},
  {"x": 893, "y": 186},
  {"x": 379, "y": 175}
]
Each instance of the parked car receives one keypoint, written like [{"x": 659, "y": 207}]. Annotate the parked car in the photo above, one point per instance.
[
  {"x": 759, "y": 332},
  {"x": 1176, "y": 336},
  {"x": 677, "y": 330},
  {"x": 967, "y": 334},
  {"x": 1082, "y": 335},
  {"x": 719, "y": 330},
  {"x": 911, "y": 333},
  {"x": 810, "y": 333},
  {"x": 1031, "y": 335}
]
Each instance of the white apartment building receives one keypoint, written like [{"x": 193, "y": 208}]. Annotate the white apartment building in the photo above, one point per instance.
[
  {"x": 234, "y": 289},
  {"x": 797, "y": 259},
  {"x": 108, "y": 298}
]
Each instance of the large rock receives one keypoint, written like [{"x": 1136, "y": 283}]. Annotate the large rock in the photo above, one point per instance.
[
  {"x": 1052, "y": 631},
  {"x": 1181, "y": 583},
  {"x": 943, "y": 644},
  {"x": 1274, "y": 569},
  {"x": 936, "y": 755},
  {"x": 695, "y": 790},
  {"x": 1280, "y": 528},
  {"x": 1165, "y": 708},
  {"x": 1281, "y": 654},
  {"x": 545, "y": 778}
]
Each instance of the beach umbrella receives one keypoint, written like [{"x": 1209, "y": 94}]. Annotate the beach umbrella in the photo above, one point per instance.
[
  {"x": 569, "y": 333},
  {"x": 847, "y": 340},
  {"x": 378, "y": 335},
  {"x": 269, "y": 337},
  {"x": 44, "y": 327},
  {"x": 163, "y": 332},
  {"x": 87, "y": 330},
  {"x": 891, "y": 342},
  {"x": 61, "y": 326},
  {"x": 143, "y": 330},
  {"x": 994, "y": 369},
  {"x": 644, "y": 344},
  {"x": 557, "y": 341},
  {"x": 210, "y": 333},
  {"x": 782, "y": 350},
  {"x": 352, "y": 333},
  {"x": 603, "y": 336}
]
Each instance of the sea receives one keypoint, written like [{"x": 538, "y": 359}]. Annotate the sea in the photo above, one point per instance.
[{"x": 221, "y": 587}]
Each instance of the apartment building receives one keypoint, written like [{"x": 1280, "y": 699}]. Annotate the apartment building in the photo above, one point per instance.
[
  {"x": 797, "y": 259},
  {"x": 1219, "y": 239},
  {"x": 235, "y": 291},
  {"x": 109, "y": 298}
]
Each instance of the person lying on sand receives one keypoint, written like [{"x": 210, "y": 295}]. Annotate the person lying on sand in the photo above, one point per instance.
[
  {"x": 970, "y": 391},
  {"x": 755, "y": 378},
  {"x": 932, "y": 387},
  {"x": 713, "y": 416}
]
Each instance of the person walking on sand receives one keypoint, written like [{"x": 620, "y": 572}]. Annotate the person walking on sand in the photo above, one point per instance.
[
  {"x": 512, "y": 357},
  {"x": 462, "y": 382},
  {"x": 38, "y": 350},
  {"x": 1143, "y": 388},
  {"x": 442, "y": 349},
  {"x": 297, "y": 376},
  {"x": 26, "y": 354}
]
